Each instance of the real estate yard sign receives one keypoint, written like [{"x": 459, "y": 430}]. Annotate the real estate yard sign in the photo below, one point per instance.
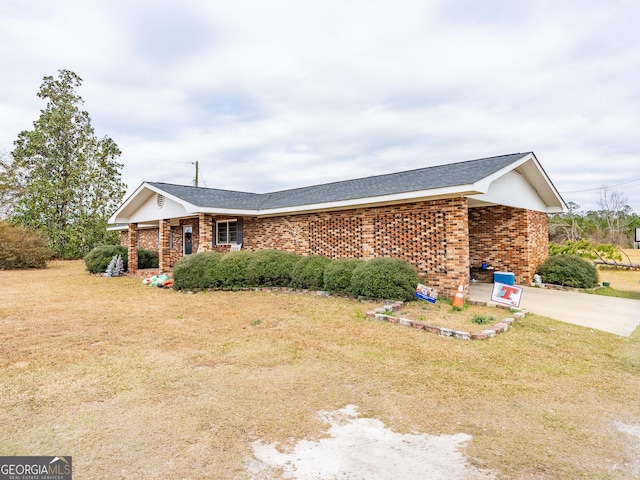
[
  {"x": 426, "y": 293},
  {"x": 507, "y": 294}
]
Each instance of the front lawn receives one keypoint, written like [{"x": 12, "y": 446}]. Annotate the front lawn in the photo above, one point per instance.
[{"x": 138, "y": 382}]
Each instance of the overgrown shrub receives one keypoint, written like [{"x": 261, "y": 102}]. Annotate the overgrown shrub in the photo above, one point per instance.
[
  {"x": 308, "y": 272},
  {"x": 98, "y": 259},
  {"x": 22, "y": 247},
  {"x": 337, "y": 274},
  {"x": 197, "y": 271},
  {"x": 569, "y": 270},
  {"x": 147, "y": 259},
  {"x": 232, "y": 269},
  {"x": 271, "y": 268},
  {"x": 388, "y": 278}
]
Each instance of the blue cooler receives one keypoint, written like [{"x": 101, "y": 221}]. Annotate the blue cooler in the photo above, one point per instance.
[{"x": 507, "y": 278}]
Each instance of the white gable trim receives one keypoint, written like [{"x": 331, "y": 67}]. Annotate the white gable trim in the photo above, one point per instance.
[
  {"x": 142, "y": 206},
  {"x": 518, "y": 194}
]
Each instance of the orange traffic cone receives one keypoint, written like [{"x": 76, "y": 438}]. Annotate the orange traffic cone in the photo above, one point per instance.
[{"x": 458, "y": 300}]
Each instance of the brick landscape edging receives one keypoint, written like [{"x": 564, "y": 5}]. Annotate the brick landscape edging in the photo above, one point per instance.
[{"x": 382, "y": 313}]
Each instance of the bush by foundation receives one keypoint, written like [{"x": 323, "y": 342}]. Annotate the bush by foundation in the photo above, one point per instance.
[
  {"x": 308, "y": 272},
  {"x": 388, "y": 278},
  {"x": 271, "y": 268},
  {"x": 337, "y": 274},
  {"x": 197, "y": 271}
]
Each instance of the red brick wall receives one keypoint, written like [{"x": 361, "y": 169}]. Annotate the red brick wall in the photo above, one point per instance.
[
  {"x": 290, "y": 233},
  {"x": 441, "y": 238},
  {"x": 430, "y": 235},
  {"x": 508, "y": 239},
  {"x": 147, "y": 239}
]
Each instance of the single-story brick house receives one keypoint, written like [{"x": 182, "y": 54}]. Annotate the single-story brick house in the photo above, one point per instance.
[{"x": 446, "y": 220}]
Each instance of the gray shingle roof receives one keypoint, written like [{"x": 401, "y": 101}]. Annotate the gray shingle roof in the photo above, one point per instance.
[
  {"x": 428, "y": 178},
  {"x": 211, "y": 197}
]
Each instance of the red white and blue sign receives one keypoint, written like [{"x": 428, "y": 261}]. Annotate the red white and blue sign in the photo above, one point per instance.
[{"x": 426, "y": 293}]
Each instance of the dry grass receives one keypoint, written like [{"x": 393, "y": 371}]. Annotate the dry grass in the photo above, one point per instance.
[
  {"x": 621, "y": 279},
  {"x": 138, "y": 382},
  {"x": 443, "y": 315}
]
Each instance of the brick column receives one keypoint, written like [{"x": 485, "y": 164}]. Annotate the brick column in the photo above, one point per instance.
[
  {"x": 368, "y": 235},
  {"x": 205, "y": 233},
  {"x": 457, "y": 238},
  {"x": 133, "y": 247},
  {"x": 164, "y": 250}
]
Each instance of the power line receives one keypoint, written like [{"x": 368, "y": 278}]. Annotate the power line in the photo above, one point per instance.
[{"x": 605, "y": 186}]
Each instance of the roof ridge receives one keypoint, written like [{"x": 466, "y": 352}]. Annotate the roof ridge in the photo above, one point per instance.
[
  {"x": 381, "y": 175},
  {"x": 336, "y": 182}
]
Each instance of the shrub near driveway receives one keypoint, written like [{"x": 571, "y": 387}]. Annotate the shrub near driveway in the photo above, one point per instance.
[{"x": 570, "y": 271}]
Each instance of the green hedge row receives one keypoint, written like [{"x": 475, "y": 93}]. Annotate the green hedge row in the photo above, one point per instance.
[
  {"x": 97, "y": 260},
  {"x": 388, "y": 278}
]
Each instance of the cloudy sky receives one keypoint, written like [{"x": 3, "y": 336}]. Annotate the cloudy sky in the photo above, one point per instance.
[{"x": 268, "y": 95}]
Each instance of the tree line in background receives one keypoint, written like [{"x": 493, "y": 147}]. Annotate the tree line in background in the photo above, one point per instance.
[{"x": 614, "y": 223}]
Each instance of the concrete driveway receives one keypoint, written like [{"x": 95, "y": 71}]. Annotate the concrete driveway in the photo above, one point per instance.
[{"x": 619, "y": 316}]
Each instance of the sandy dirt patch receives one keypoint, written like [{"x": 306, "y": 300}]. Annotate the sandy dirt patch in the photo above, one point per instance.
[
  {"x": 364, "y": 448},
  {"x": 632, "y": 429}
]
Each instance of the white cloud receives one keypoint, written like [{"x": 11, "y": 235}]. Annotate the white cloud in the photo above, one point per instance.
[{"x": 270, "y": 95}]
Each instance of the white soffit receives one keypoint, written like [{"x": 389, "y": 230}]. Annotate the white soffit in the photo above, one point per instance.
[
  {"x": 522, "y": 185},
  {"x": 148, "y": 204},
  {"x": 512, "y": 190}
]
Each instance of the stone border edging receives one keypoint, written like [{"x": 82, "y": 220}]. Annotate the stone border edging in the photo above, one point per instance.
[
  {"x": 381, "y": 314},
  {"x": 503, "y": 325}
]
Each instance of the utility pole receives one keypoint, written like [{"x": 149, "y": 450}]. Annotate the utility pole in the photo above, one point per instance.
[{"x": 196, "y": 178}]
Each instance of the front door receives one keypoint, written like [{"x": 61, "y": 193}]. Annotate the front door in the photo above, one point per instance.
[{"x": 188, "y": 240}]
